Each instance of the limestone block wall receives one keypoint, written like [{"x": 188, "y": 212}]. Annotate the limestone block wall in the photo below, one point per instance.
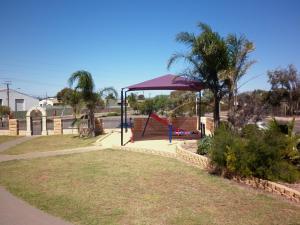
[
  {"x": 13, "y": 127},
  {"x": 70, "y": 131},
  {"x": 57, "y": 126},
  {"x": 4, "y": 132},
  {"x": 193, "y": 158},
  {"x": 269, "y": 186},
  {"x": 272, "y": 187},
  {"x": 156, "y": 128}
]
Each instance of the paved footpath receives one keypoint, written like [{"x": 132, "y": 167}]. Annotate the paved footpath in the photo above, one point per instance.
[
  {"x": 12, "y": 143},
  {"x": 14, "y": 211}
]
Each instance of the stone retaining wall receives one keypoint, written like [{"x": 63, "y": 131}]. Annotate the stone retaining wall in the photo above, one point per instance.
[
  {"x": 272, "y": 187},
  {"x": 192, "y": 158},
  {"x": 204, "y": 163},
  {"x": 148, "y": 151}
]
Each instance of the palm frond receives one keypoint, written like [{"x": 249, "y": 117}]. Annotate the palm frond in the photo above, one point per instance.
[{"x": 186, "y": 38}]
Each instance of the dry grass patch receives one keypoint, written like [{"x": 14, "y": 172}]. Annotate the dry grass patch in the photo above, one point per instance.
[
  {"x": 120, "y": 187},
  {"x": 6, "y": 138},
  {"x": 50, "y": 143}
]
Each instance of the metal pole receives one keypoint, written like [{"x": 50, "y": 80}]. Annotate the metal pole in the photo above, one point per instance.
[
  {"x": 122, "y": 116},
  {"x": 7, "y": 89},
  {"x": 126, "y": 112},
  {"x": 146, "y": 125},
  {"x": 199, "y": 111}
]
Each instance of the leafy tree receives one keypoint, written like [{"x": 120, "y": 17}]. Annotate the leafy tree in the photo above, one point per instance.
[
  {"x": 84, "y": 84},
  {"x": 64, "y": 95},
  {"x": 132, "y": 100},
  {"x": 208, "y": 58},
  {"x": 182, "y": 102},
  {"x": 285, "y": 86},
  {"x": 4, "y": 111},
  {"x": 147, "y": 107},
  {"x": 239, "y": 49},
  {"x": 251, "y": 108},
  {"x": 161, "y": 103},
  {"x": 108, "y": 93}
]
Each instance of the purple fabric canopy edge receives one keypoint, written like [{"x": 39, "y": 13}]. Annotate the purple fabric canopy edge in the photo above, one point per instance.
[{"x": 167, "y": 82}]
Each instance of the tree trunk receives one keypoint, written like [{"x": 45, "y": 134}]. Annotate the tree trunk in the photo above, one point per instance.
[
  {"x": 92, "y": 123},
  {"x": 216, "y": 111}
]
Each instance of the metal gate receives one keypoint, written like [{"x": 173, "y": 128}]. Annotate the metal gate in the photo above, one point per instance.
[{"x": 36, "y": 123}]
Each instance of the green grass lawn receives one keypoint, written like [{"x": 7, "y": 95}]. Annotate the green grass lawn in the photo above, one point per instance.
[
  {"x": 120, "y": 187},
  {"x": 5, "y": 138},
  {"x": 50, "y": 143}
]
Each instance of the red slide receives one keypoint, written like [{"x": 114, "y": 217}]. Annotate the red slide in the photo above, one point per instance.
[{"x": 158, "y": 119}]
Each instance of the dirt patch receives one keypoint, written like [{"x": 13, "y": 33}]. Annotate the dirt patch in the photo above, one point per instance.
[{"x": 190, "y": 146}]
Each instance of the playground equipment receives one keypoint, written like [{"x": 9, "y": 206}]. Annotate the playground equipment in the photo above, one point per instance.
[
  {"x": 166, "y": 82},
  {"x": 171, "y": 129}
]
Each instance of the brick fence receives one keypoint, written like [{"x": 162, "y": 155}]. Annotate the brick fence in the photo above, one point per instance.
[
  {"x": 14, "y": 129},
  {"x": 156, "y": 128}
]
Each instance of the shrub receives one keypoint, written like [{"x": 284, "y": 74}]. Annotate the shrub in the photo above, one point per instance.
[
  {"x": 204, "y": 145},
  {"x": 222, "y": 139},
  {"x": 263, "y": 154}
]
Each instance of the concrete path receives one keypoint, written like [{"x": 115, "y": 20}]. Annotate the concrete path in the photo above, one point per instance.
[
  {"x": 12, "y": 143},
  {"x": 14, "y": 211},
  {"x": 32, "y": 155},
  {"x": 155, "y": 143}
]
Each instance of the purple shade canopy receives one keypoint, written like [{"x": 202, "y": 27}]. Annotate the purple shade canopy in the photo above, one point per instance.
[{"x": 167, "y": 82}]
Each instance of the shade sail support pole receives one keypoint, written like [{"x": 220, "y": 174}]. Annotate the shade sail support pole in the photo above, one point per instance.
[
  {"x": 126, "y": 125},
  {"x": 122, "y": 122},
  {"x": 199, "y": 113}
]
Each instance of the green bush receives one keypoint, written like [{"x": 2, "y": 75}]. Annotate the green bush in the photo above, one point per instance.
[
  {"x": 253, "y": 152},
  {"x": 204, "y": 145}
]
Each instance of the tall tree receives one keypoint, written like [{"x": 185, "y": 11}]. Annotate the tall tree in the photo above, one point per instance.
[
  {"x": 132, "y": 101},
  {"x": 239, "y": 49},
  {"x": 285, "y": 84},
  {"x": 208, "y": 58},
  {"x": 85, "y": 85},
  {"x": 108, "y": 93}
]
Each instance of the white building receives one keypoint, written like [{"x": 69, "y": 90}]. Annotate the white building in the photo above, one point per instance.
[
  {"x": 17, "y": 101},
  {"x": 49, "y": 102}
]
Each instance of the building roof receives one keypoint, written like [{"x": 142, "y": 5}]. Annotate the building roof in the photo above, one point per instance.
[
  {"x": 167, "y": 82},
  {"x": 12, "y": 90}
]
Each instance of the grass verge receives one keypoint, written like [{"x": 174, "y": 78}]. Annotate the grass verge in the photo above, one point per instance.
[
  {"x": 119, "y": 187},
  {"x": 5, "y": 138},
  {"x": 50, "y": 143}
]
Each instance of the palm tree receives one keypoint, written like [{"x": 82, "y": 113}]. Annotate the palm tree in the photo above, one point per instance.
[
  {"x": 238, "y": 50},
  {"x": 85, "y": 85},
  {"x": 208, "y": 57},
  {"x": 108, "y": 93}
]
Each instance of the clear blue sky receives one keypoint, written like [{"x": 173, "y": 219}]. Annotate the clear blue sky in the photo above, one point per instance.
[{"x": 125, "y": 42}]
